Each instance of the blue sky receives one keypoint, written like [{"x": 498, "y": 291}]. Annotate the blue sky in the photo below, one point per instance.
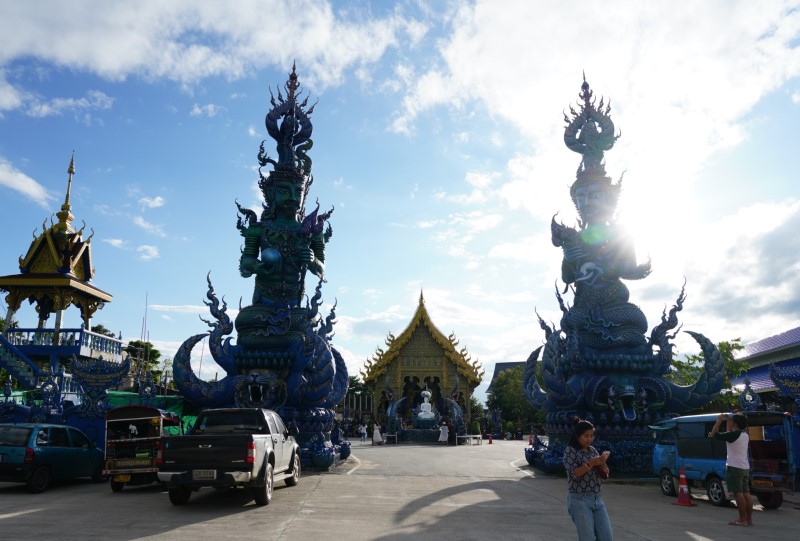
[{"x": 438, "y": 138}]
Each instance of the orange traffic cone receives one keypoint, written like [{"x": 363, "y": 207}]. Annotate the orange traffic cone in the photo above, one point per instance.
[{"x": 684, "y": 498}]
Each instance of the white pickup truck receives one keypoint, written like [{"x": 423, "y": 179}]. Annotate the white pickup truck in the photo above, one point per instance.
[{"x": 230, "y": 447}]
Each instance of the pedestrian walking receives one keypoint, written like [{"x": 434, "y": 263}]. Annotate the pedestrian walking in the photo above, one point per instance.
[
  {"x": 377, "y": 439},
  {"x": 585, "y": 470}
]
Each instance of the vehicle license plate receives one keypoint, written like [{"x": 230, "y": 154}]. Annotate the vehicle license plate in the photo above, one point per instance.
[
  {"x": 204, "y": 475},
  {"x": 122, "y": 478},
  {"x": 130, "y": 462},
  {"x": 761, "y": 483}
]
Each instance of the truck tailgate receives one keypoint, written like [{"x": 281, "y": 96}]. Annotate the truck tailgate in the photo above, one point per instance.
[{"x": 224, "y": 451}]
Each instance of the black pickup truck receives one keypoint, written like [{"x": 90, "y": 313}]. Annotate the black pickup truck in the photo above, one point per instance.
[{"x": 231, "y": 447}]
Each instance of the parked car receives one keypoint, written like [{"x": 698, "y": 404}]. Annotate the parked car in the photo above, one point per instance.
[
  {"x": 38, "y": 454},
  {"x": 133, "y": 443},
  {"x": 683, "y": 443},
  {"x": 231, "y": 447}
]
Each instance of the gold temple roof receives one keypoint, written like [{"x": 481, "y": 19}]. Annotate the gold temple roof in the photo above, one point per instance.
[
  {"x": 57, "y": 266},
  {"x": 377, "y": 365}
]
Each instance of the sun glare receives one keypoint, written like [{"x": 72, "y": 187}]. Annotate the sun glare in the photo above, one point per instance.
[{"x": 660, "y": 225}]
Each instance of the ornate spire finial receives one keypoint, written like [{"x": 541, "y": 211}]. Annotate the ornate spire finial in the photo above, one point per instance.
[
  {"x": 421, "y": 297},
  {"x": 292, "y": 85},
  {"x": 65, "y": 217}
]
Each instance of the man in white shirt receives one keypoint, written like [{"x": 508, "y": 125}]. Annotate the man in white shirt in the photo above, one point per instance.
[{"x": 737, "y": 467}]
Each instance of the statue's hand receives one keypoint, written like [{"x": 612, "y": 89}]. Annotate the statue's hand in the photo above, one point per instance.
[
  {"x": 247, "y": 266},
  {"x": 574, "y": 252},
  {"x": 590, "y": 272},
  {"x": 306, "y": 255}
]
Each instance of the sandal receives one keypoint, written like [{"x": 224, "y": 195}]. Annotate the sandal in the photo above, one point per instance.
[{"x": 737, "y": 523}]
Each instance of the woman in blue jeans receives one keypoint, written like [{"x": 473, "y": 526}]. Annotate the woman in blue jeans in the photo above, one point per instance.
[{"x": 585, "y": 470}]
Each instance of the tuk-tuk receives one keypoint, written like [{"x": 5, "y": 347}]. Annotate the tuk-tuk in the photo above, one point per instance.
[{"x": 133, "y": 443}]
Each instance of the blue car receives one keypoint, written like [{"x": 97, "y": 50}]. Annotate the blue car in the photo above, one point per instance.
[{"x": 38, "y": 454}]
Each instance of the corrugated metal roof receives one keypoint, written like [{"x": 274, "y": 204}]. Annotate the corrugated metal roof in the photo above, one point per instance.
[
  {"x": 779, "y": 341},
  {"x": 759, "y": 376}
]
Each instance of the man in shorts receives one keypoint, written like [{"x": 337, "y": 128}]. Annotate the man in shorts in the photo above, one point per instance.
[{"x": 737, "y": 467}]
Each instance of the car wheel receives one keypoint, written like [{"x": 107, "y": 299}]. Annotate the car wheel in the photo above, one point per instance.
[
  {"x": 667, "y": 483},
  {"x": 770, "y": 500},
  {"x": 179, "y": 495},
  {"x": 98, "y": 477},
  {"x": 716, "y": 492},
  {"x": 263, "y": 494},
  {"x": 39, "y": 480},
  {"x": 116, "y": 486},
  {"x": 295, "y": 477}
]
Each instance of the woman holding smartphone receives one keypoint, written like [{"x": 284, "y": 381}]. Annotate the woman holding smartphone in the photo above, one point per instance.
[{"x": 585, "y": 470}]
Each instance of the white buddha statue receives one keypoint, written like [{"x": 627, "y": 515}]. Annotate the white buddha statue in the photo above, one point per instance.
[{"x": 425, "y": 412}]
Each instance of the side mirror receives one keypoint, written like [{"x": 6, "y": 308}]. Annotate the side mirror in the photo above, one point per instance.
[{"x": 294, "y": 431}]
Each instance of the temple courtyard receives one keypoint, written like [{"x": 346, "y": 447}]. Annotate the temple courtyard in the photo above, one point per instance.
[{"x": 392, "y": 492}]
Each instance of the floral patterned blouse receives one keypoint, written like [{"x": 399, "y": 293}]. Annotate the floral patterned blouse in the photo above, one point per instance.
[{"x": 588, "y": 482}]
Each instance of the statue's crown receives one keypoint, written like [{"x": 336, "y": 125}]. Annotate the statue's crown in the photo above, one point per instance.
[
  {"x": 590, "y": 132},
  {"x": 289, "y": 124}
]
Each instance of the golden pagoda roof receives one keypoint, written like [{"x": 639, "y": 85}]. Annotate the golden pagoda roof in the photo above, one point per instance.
[
  {"x": 57, "y": 263},
  {"x": 377, "y": 365},
  {"x": 59, "y": 249}
]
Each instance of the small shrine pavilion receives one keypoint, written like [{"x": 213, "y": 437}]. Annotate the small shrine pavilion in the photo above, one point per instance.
[
  {"x": 421, "y": 357},
  {"x": 55, "y": 274}
]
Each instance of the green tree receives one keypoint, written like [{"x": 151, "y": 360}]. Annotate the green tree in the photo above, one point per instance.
[
  {"x": 686, "y": 371},
  {"x": 476, "y": 411},
  {"x": 357, "y": 386},
  {"x": 508, "y": 396},
  {"x": 163, "y": 375},
  {"x": 144, "y": 354},
  {"x": 100, "y": 329}
]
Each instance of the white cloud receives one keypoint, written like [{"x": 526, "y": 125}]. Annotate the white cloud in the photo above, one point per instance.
[
  {"x": 147, "y": 252},
  {"x": 116, "y": 243},
  {"x": 10, "y": 97},
  {"x": 525, "y": 249},
  {"x": 93, "y": 101},
  {"x": 427, "y": 224},
  {"x": 151, "y": 202},
  {"x": 372, "y": 293},
  {"x": 796, "y": 97},
  {"x": 155, "y": 40},
  {"x": 147, "y": 226},
  {"x": 479, "y": 181},
  {"x": 18, "y": 181},
  {"x": 180, "y": 309},
  {"x": 210, "y": 110}
]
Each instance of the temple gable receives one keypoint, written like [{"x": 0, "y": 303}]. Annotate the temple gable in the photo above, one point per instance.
[{"x": 421, "y": 357}]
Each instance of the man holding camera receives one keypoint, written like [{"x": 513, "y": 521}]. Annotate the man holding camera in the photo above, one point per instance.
[{"x": 737, "y": 467}]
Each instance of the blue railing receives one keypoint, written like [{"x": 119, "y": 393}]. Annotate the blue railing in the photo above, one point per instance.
[{"x": 79, "y": 338}]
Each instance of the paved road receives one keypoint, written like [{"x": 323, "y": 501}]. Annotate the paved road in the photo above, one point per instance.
[{"x": 392, "y": 493}]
